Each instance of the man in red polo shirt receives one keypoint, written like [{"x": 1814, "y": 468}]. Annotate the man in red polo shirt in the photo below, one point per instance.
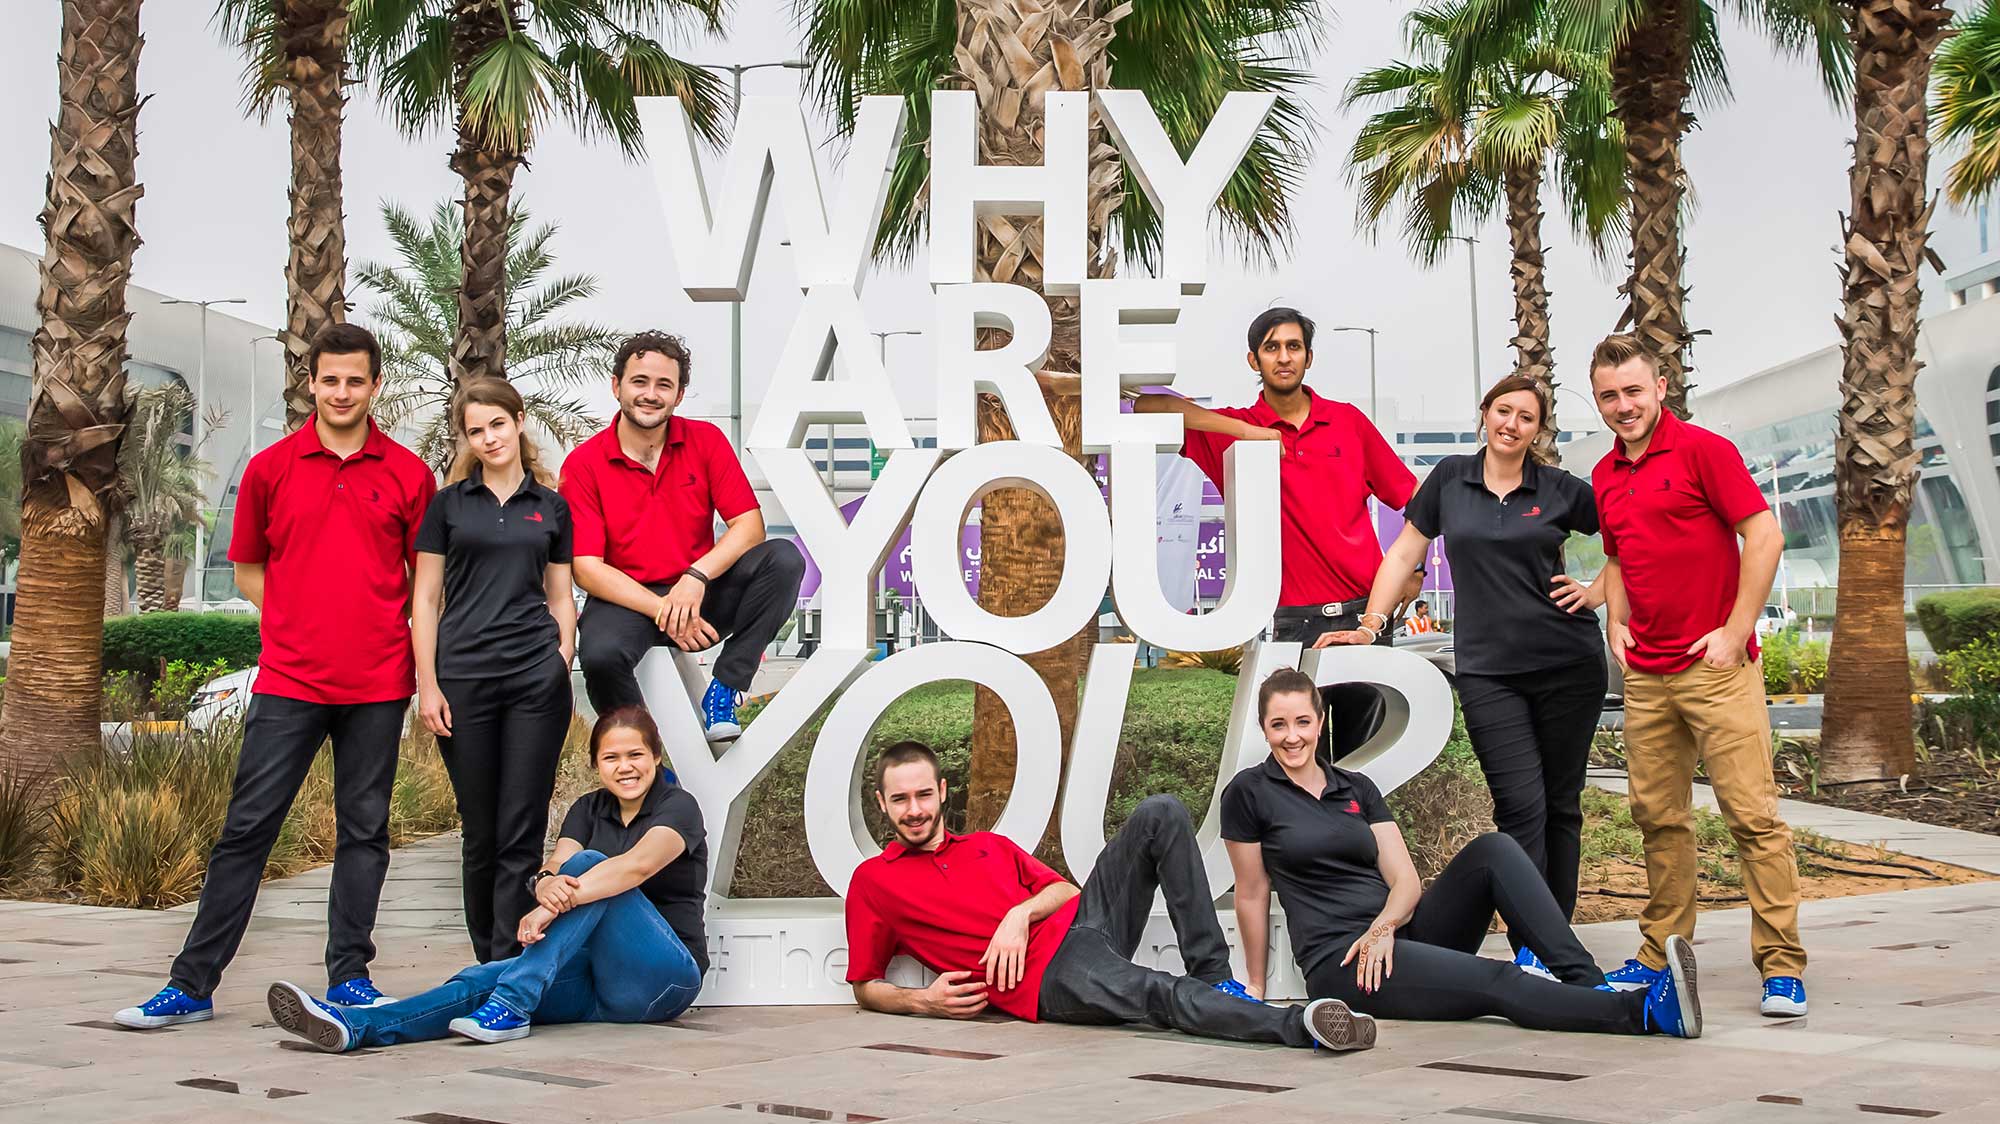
[
  {"x": 1001, "y": 929},
  {"x": 1333, "y": 460},
  {"x": 324, "y": 538},
  {"x": 644, "y": 496},
  {"x": 1672, "y": 499}
]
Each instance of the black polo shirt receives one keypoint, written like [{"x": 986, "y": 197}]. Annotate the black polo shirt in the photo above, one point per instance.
[
  {"x": 496, "y": 619},
  {"x": 1320, "y": 852},
  {"x": 680, "y": 889},
  {"x": 1503, "y": 552}
]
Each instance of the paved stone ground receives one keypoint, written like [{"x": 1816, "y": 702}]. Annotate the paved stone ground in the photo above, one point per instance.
[{"x": 1905, "y": 1024}]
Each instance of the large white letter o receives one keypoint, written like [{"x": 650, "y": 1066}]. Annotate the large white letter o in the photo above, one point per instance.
[
  {"x": 836, "y": 783},
  {"x": 966, "y": 478}
]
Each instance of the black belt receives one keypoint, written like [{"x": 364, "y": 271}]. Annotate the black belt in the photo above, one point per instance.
[{"x": 1310, "y": 612}]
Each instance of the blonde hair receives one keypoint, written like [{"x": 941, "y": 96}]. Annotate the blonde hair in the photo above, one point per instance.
[
  {"x": 501, "y": 395},
  {"x": 1616, "y": 351}
]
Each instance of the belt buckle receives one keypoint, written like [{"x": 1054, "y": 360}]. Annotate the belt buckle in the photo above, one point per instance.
[{"x": 1330, "y": 609}]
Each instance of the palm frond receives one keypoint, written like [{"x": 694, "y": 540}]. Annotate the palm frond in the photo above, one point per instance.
[{"x": 1965, "y": 103}]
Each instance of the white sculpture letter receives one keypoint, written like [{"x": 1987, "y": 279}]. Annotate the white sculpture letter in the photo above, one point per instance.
[
  {"x": 963, "y": 190},
  {"x": 1250, "y": 514},
  {"x": 1112, "y": 362},
  {"x": 829, "y": 330},
  {"x": 964, "y": 372},
  {"x": 715, "y": 252}
]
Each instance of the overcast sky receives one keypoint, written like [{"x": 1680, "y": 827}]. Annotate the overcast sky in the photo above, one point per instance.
[{"x": 1769, "y": 170}]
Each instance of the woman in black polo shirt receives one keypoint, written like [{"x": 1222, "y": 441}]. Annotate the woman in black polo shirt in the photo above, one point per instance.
[
  {"x": 617, "y": 936},
  {"x": 1531, "y": 667},
  {"x": 493, "y": 667},
  {"x": 1366, "y": 932}
]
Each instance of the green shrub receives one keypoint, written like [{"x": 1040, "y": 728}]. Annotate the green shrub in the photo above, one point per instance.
[
  {"x": 23, "y": 824},
  {"x": 124, "y": 697},
  {"x": 179, "y": 682},
  {"x": 147, "y": 643},
  {"x": 1952, "y": 620},
  {"x": 1974, "y": 666},
  {"x": 1793, "y": 663}
]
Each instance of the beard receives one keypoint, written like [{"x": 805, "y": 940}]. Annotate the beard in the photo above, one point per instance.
[
  {"x": 918, "y": 843},
  {"x": 627, "y": 413}
]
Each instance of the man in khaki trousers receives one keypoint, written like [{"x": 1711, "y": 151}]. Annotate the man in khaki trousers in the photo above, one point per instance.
[{"x": 1672, "y": 499}]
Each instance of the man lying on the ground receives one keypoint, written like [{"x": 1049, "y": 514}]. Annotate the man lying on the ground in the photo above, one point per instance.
[{"x": 1002, "y": 929}]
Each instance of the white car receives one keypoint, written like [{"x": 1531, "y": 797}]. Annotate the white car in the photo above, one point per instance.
[
  {"x": 1775, "y": 620},
  {"x": 228, "y": 698}
]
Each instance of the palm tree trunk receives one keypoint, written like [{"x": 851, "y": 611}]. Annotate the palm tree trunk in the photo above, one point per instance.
[
  {"x": 149, "y": 571},
  {"x": 1012, "y": 52},
  {"x": 1533, "y": 356},
  {"x": 115, "y": 601},
  {"x": 314, "y": 34},
  {"x": 1649, "y": 85},
  {"x": 77, "y": 408},
  {"x": 1867, "y": 723},
  {"x": 479, "y": 349}
]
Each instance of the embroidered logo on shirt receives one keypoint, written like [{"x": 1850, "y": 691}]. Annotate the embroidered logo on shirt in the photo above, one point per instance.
[
  {"x": 1354, "y": 807},
  {"x": 533, "y": 517},
  {"x": 1530, "y": 514}
]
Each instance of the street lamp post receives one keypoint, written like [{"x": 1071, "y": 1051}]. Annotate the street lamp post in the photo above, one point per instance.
[
  {"x": 1372, "y": 332},
  {"x": 255, "y": 422},
  {"x": 1472, "y": 294},
  {"x": 736, "y": 73},
  {"x": 201, "y": 404}
]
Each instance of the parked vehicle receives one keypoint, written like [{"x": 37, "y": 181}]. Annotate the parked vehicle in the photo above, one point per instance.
[{"x": 1775, "y": 619}]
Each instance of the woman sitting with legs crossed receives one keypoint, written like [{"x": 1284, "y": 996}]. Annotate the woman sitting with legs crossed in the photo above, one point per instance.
[
  {"x": 617, "y": 936},
  {"x": 1365, "y": 931}
]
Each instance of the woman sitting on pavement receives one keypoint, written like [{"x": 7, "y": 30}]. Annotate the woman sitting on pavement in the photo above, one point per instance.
[
  {"x": 617, "y": 936},
  {"x": 1365, "y": 931}
]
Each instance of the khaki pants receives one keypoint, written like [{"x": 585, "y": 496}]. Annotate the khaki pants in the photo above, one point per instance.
[{"x": 1720, "y": 717}]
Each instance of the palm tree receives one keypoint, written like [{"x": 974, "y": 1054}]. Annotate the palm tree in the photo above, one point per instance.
[
  {"x": 166, "y": 486},
  {"x": 499, "y": 69},
  {"x": 1450, "y": 155},
  {"x": 77, "y": 407},
  {"x": 298, "y": 48},
  {"x": 418, "y": 312},
  {"x": 1664, "y": 53},
  {"x": 1867, "y": 723},
  {"x": 1185, "y": 55},
  {"x": 11, "y": 435},
  {"x": 1966, "y": 108}
]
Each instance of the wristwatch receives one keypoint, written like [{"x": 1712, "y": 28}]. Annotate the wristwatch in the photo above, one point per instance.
[{"x": 535, "y": 878}]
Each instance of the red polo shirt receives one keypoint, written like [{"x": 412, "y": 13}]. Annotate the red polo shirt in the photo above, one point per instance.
[
  {"x": 1329, "y": 468},
  {"x": 1670, "y": 519},
  {"x": 942, "y": 907},
  {"x": 336, "y": 538},
  {"x": 652, "y": 525}
]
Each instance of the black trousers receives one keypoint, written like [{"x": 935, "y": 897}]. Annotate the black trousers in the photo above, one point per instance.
[
  {"x": 1532, "y": 733},
  {"x": 1438, "y": 974},
  {"x": 280, "y": 739},
  {"x": 507, "y": 738},
  {"x": 747, "y": 604},
  {"x": 1092, "y": 979},
  {"x": 1354, "y": 711}
]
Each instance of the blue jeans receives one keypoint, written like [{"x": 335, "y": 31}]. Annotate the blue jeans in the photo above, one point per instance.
[{"x": 610, "y": 961}]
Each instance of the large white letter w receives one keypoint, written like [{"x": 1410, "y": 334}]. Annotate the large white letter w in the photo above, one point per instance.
[{"x": 715, "y": 251}]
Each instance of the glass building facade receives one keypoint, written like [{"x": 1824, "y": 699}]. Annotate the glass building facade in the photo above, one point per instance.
[{"x": 1793, "y": 462}]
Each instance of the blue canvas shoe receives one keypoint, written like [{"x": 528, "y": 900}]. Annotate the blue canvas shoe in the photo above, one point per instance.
[
  {"x": 170, "y": 1007},
  {"x": 314, "y": 1019},
  {"x": 1784, "y": 998},
  {"x": 1634, "y": 976},
  {"x": 357, "y": 992},
  {"x": 1528, "y": 962},
  {"x": 718, "y": 712},
  {"x": 1673, "y": 1006},
  {"x": 494, "y": 1021},
  {"x": 1235, "y": 990}
]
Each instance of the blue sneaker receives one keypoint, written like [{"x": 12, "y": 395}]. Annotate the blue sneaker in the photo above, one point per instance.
[
  {"x": 494, "y": 1021},
  {"x": 1235, "y": 990},
  {"x": 357, "y": 992},
  {"x": 1673, "y": 1006},
  {"x": 1634, "y": 976},
  {"x": 170, "y": 1007},
  {"x": 1528, "y": 962},
  {"x": 718, "y": 712},
  {"x": 1784, "y": 997},
  {"x": 310, "y": 1017}
]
